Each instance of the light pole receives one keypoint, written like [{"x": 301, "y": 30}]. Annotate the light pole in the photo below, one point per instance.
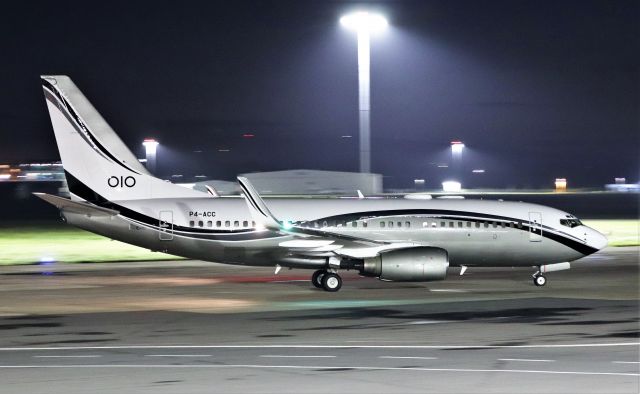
[
  {"x": 364, "y": 23},
  {"x": 150, "y": 147},
  {"x": 456, "y": 157}
]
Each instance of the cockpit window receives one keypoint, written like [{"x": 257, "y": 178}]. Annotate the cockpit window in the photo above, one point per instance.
[{"x": 573, "y": 222}]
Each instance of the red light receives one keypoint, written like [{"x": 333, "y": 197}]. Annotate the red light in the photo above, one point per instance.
[
  {"x": 456, "y": 142},
  {"x": 248, "y": 135}
]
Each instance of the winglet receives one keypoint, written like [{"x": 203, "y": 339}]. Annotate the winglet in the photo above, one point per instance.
[
  {"x": 257, "y": 207},
  {"x": 360, "y": 195}
]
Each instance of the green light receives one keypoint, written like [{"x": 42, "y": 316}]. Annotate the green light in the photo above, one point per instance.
[{"x": 286, "y": 224}]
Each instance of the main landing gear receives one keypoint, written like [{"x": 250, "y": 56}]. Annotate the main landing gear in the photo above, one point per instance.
[{"x": 327, "y": 280}]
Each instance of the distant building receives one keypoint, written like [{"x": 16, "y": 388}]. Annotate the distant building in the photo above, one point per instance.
[
  {"x": 32, "y": 172},
  {"x": 315, "y": 182},
  {"x": 275, "y": 182}
]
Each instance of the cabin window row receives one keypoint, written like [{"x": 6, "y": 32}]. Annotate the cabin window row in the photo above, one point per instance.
[
  {"x": 221, "y": 223},
  {"x": 334, "y": 223},
  {"x": 469, "y": 224}
]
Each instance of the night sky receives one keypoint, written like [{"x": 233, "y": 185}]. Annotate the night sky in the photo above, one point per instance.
[{"x": 535, "y": 89}]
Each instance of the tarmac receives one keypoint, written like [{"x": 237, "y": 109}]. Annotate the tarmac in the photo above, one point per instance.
[{"x": 196, "y": 327}]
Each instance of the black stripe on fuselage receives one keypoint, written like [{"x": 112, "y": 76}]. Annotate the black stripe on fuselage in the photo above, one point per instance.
[
  {"x": 78, "y": 124},
  {"x": 83, "y": 191},
  {"x": 544, "y": 231}
]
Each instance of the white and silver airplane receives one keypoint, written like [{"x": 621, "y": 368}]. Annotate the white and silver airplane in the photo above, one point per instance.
[{"x": 113, "y": 195}]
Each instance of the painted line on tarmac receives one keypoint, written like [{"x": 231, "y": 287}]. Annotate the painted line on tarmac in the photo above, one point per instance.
[
  {"x": 409, "y": 357},
  {"x": 526, "y": 360},
  {"x": 321, "y": 367},
  {"x": 626, "y": 362},
  {"x": 308, "y": 346},
  {"x": 178, "y": 355},
  {"x": 293, "y": 356},
  {"x": 75, "y": 356}
]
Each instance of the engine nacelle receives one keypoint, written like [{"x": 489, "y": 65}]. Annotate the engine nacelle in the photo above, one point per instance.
[{"x": 419, "y": 264}]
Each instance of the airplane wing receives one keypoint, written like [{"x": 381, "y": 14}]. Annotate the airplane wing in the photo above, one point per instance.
[
  {"x": 312, "y": 241},
  {"x": 66, "y": 205}
]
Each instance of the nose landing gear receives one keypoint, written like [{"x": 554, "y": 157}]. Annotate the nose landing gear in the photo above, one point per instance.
[
  {"x": 329, "y": 281},
  {"x": 539, "y": 280}
]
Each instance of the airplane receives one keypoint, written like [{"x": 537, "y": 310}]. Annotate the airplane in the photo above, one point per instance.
[{"x": 416, "y": 240}]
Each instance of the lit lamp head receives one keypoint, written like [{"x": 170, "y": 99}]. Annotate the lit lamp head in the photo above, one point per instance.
[
  {"x": 457, "y": 146},
  {"x": 363, "y": 21},
  {"x": 150, "y": 145}
]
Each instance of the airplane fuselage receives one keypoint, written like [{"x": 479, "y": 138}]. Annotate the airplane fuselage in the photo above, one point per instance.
[{"x": 473, "y": 232}]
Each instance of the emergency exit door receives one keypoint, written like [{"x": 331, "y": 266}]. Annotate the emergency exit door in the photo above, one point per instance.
[
  {"x": 165, "y": 225},
  {"x": 535, "y": 226}
]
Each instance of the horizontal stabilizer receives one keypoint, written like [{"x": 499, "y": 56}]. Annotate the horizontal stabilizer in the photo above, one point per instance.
[{"x": 66, "y": 205}]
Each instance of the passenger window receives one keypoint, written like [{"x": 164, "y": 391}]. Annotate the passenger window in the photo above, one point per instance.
[
  {"x": 511, "y": 224},
  {"x": 218, "y": 224},
  {"x": 364, "y": 224},
  {"x": 382, "y": 224},
  {"x": 434, "y": 224},
  {"x": 399, "y": 224},
  {"x": 425, "y": 224},
  {"x": 502, "y": 224},
  {"x": 236, "y": 223},
  {"x": 460, "y": 224},
  {"x": 253, "y": 224},
  {"x": 451, "y": 224},
  {"x": 477, "y": 224},
  {"x": 390, "y": 224},
  {"x": 245, "y": 224},
  {"x": 354, "y": 224},
  {"x": 325, "y": 224},
  {"x": 442, "y": 224},
  {"x": 486, "y": 224},
  {"x": 227, "y": 223},
  {"x": 468, "y": 224},
  {"x": 209, "y": 223},
  {"x": 191, "y": 223},
  {"x": 495, "y": 224},
  {"x": 200, "y": 223},
  {"x": 519, "y": 224},
  {"x": 407, "y": 224}
]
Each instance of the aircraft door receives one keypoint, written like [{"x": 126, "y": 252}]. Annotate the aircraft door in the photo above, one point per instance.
[
  {"x": 535, "y": 226},
  {"x": 165, "y": 225}
]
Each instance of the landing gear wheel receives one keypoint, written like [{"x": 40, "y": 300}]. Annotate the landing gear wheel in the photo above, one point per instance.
[
  {"x": 316, "y": 278},
  {"x": 331, "y": 282},
  {"x": 539, "y": 280}
]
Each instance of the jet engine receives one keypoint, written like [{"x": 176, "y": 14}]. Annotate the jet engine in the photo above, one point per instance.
[{"x": 419, "y": 264}]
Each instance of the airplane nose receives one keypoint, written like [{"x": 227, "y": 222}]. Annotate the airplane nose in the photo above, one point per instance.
[{"x": 596, "y": 239}]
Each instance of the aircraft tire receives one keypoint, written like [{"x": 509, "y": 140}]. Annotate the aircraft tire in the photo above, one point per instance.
[
  {"x": 316, "y": 278},
  {"x": 539, "y": 280},
  {"x": 331, "y": 282}
]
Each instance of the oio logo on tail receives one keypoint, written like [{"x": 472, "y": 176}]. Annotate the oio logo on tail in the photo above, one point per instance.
[{"x": 121, "y": 181}]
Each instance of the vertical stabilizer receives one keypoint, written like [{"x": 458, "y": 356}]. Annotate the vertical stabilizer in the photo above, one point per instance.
[{"x": 97, "y": 164}]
